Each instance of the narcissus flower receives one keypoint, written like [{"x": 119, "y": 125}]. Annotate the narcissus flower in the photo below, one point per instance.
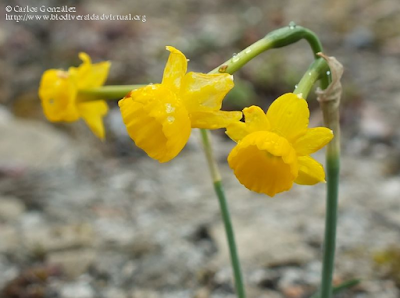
[
  {"x": 159, "y": 117},
  {"x": 273, "y": 148},
  {"x": 59, "y": 94}
]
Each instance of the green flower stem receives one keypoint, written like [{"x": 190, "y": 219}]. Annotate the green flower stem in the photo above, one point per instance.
[
  {"x": 331, "y": 117},
  {"x": 317, "y": 70},
  {"x": 219, "y": 190},
  {"x": 111, "y": 92}
]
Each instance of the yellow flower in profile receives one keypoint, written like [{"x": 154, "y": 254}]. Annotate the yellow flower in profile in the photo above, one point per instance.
[
  {"x": 159, "y": 117},
  {"x": 273, "y": 148},
  {"x": 58, "y": 92}
]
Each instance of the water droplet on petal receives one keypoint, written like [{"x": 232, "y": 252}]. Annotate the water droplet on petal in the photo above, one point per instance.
[
  {"x": 169, "y": 108},
  {"x": 170, "y": 119}
]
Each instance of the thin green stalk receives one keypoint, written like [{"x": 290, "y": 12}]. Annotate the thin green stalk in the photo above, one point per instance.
[
  {"x": 230, "y": 235},
  {"x": 331, "y": 117},
  {"x": 332, "y": 178},
  {"x": 317, "y": 70},
  {"x": 111, "y": 92}
]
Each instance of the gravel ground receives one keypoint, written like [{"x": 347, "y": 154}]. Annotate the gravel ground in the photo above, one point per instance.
[{"x": 83, "y": 219}]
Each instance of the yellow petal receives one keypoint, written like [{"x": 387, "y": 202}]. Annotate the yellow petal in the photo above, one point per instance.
[
  {"x": 90, "y": 75},
  {"x": 264, "y": 162},
  {"x": 57, "y": 93},
  {"x": 205, "y": 92},
  {"x": 237, "y": 131},
  {"x": 255, "y": 120},
  {"x": 310, "y": 171},
  {"x": 213, "y": 120},
  {"x": 288, "y": 116},
  {"x": 93, "y": 113},
  {"x": 157, "y": 121},
  {"x": 175, "y": 69},
  {"x": 313, "y": 140}
]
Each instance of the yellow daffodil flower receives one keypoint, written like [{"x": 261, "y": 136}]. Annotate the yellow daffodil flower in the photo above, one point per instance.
[
  {"x": 273, "y": 148},
  {"x": 159, "y": 117},
  {"x": 58, "y": 92}
]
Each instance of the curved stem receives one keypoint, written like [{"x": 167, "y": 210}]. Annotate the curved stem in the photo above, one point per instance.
[
  {"x": 275, "y": 39},
  {"x": 317, "y": 70}
]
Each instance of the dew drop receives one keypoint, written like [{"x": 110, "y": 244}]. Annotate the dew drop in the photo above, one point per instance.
[
  {"x": 169, "y": 108},
  {"x": 170, "y": 119},
  {"x": 292, "y": 25},
  {"x": 309, "y": 73},
  {"x": 295, "y": 86},
  {"x": 328, "y": 72},
  {"x": 248, "y": 51}
]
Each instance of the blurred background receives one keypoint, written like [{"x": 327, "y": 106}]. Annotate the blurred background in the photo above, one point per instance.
[{"x": 80, "y": 218}]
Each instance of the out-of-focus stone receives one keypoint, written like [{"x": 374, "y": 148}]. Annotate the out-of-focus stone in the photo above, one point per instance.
[
  {"x": 80, "y": 289},
  {"x": 10, "y": 241},
  {"x": 261, "y": 245},
  {"x": 73, "y": 262},
  {"x": 34, "y": 144},
  {"x": 10, "y": 208},
  {"x": 49, "y": 239}
]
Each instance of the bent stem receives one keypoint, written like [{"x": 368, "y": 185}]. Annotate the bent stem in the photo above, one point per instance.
[{"x": 223, "y": 204}]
